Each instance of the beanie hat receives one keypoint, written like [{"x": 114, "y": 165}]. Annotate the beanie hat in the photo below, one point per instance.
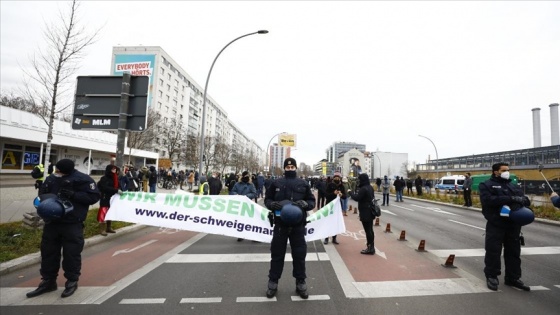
[
  {"x": 290, "y": 161},
  {"x": 65, "y": 166},
  {"x": 337, "y": 174},
  {"x": 245, "y": 173}
]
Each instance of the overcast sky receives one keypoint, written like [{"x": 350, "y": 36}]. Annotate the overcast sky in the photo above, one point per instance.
[{"x": 464, "y": 74}]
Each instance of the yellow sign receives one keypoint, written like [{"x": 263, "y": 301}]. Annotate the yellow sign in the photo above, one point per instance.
[{"x": 287, "y": 140}]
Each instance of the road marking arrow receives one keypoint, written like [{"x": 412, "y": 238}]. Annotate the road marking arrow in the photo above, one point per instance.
[
  {"x": 125, "y": 251},
  {"x": 380, "y": 253}
]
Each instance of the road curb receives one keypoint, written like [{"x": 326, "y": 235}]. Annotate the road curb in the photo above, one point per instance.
[{"x": 35, "y": 258}]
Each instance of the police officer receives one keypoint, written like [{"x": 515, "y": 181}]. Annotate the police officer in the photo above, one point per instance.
[
  {"x": 67, "y": 233},
  {"x": 495, "y": 193},
  {"x": 288, "y": 189},
  {"x": 39, "y": 174}
]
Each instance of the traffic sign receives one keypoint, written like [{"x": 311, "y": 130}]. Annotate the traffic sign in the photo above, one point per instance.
[{"x": 97, "y": 103}]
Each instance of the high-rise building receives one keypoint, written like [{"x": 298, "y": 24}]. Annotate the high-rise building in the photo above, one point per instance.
[
  {"x": 178, "y": 98},
  {"x": 277, "y": 156},
  {"x": 338, "y": 148}
]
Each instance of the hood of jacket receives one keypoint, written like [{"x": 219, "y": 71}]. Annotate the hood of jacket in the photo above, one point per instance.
[
  {"x": 363, "y": 179},
  {"x": 108, "y": 169}
]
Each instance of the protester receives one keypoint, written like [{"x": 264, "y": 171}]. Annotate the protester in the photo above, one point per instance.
[
  {"x": 108, "y": 185},
  {"x": 288, "y": 190},
  {"x": 386, "y": 186},
  {"x": 245, "y": 188},
  {"x": 335, "y": 189},
  {"x": 215, "y": 184},
  {"x": 467, "y": 184},
  {"x": 399, "y": 187},
  {"x": 418, "y": 184},
  {"x": 364, "y": 197},
  {"x": 321, "y": 191},
  {"x": 67, "y": 233}
]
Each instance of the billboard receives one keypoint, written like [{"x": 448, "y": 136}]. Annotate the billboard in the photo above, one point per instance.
[
  {"x": 287, "y": 140},
  {"x": 140, "y": 65}
]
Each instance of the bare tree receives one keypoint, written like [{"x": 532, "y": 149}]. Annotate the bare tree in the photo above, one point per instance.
[
  {"x": 223, "y": 154},
  {"x": 52, "y": 68},
  {"x": 209, "y": 147},
  {"x": 173, "y": 136},
  {"x": 189, "y": 150},
  {"x": 143, "y": 140}
]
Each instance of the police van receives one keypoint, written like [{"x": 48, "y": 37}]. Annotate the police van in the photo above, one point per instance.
[{"x": 451, "y": 183}]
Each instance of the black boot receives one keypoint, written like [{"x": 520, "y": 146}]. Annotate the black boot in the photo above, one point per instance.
[
  {"x": 44, "y": 287},
  {"x": 272, "y": 288},
  {"x": 334, "y": 241},
  {"x": 71, "y": 287},
  {"x": 492, "y": 283},
  {"x": 301, "y": 288},
  {"x": 109, "y": 229},
  {"x": 370, "y": 250},
  {"x": 517, "y": 284},
  {"x": 326, "y": 241}
]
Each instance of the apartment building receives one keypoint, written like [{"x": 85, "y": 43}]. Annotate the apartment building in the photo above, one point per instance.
[{"x": 178, "y": 98}]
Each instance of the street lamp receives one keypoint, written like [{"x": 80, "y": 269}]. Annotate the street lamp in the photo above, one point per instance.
[
  {"x": 437, "y": 159},
  {"x": 201, "y": 155},
  {"x": 267, "y": 147}
]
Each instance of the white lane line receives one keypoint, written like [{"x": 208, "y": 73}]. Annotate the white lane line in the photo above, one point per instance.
[
  {"x": 405, "y": 208},
  {"x": 382, "y": 289},
  {"x": 473, "y": 226},
  {"x": 142, "y": 301},
  {"x": 539, "y": 288},
  {"x": 139, "y": 273},
  {"x": 438, "y": 210},
  {"x": 322, "y": 297},
  {"x": 558, "y": 286},
  {"x": 389, "y": 212},
  {"x": 480, "y": 252},
  {"x": 201, "y": 300},
  {"x": 235, "y": 258},
  {"x": 245, "y": 299},
  {"x": 16, "y": 296}
]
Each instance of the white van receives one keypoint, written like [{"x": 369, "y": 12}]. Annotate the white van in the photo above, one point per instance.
[{"x": 451, "y": 183}]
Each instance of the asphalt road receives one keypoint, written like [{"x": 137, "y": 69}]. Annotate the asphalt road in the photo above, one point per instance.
[{"x": 156, "y": 270}]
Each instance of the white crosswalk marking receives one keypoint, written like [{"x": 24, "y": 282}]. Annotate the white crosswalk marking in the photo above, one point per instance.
[{"x": 142, "y": 301}]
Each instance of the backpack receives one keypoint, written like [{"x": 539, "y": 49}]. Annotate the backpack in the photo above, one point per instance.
[{"x": 36, "y": 173}]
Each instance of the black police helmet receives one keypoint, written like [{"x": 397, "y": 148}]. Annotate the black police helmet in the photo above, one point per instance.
[
  {"x": 53, "y": 209},
  {"x": 291, "y": 214}
]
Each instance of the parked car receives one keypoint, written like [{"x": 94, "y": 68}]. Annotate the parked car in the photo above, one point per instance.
[{"x": 451, "y": 183}]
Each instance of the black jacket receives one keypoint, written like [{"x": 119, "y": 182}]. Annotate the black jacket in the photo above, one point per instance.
[
  {"x": 331, "y": 187},
  {"x": 85, "y": 193},
  {"x": 106, "y": 187},
  {"x": 215, "y": 185},
  {"x": 289, "y": 190},
  {"x": 364, "y": 196},
  {"x": 497, "y": 192}
]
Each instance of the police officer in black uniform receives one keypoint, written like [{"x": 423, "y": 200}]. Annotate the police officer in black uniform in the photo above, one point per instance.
[
  {"x": 67, "y": 233},
  {"x": 496, "y": 193},
  {"x": 288, "y": 189}
]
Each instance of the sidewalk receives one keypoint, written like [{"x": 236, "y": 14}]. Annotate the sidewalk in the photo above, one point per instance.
[{"x": 17, "y": 193}]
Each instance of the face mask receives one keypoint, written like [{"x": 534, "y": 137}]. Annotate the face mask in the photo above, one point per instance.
[
  {"x": 245, "y": 179},
  {"x": 290, "y": 174},
  {"x": 337, "y": 181},
  {"x": 505, "y": 175}
]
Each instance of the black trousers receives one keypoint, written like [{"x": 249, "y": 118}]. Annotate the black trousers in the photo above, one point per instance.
[
  {"x": 467, "y": 196},
  {"x": 500, "y": 232},
  {"x": 68, "y": 238},
  {"x": 368, "y": 228},
  {"x": 280, "y": 237},
  {"x": 321, "y": 200}
]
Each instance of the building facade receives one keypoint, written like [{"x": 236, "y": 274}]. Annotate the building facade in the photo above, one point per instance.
[
  {"x": 23, "y": 138},
  {"x": 277, "y": 156},
  {"x": 178, "y": 99},
  {"x": 337, "y": 148}
]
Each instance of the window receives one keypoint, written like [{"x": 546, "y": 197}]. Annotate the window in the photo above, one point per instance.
[
  {"x": 159, "y": 105},
  {"x": 162, "y": 71},
  {"x": 167, "y": 97},
  {"x": 168, "y": 87},
  {"x": 160, "y": 93},
  {"x": 169, "y": 76},
  {"x": 160, "y": 81},
  {"x": 176, "y": 83}
]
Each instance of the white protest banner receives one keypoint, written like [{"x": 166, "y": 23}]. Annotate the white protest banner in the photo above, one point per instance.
[{"x": 234, "y": 216}]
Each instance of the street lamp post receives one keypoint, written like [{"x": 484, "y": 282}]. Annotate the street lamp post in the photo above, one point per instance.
[
  {"x": 437, "y": 158},
  {"x": 201, "y": 154},
  {"x": 268, "y": 147}
]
